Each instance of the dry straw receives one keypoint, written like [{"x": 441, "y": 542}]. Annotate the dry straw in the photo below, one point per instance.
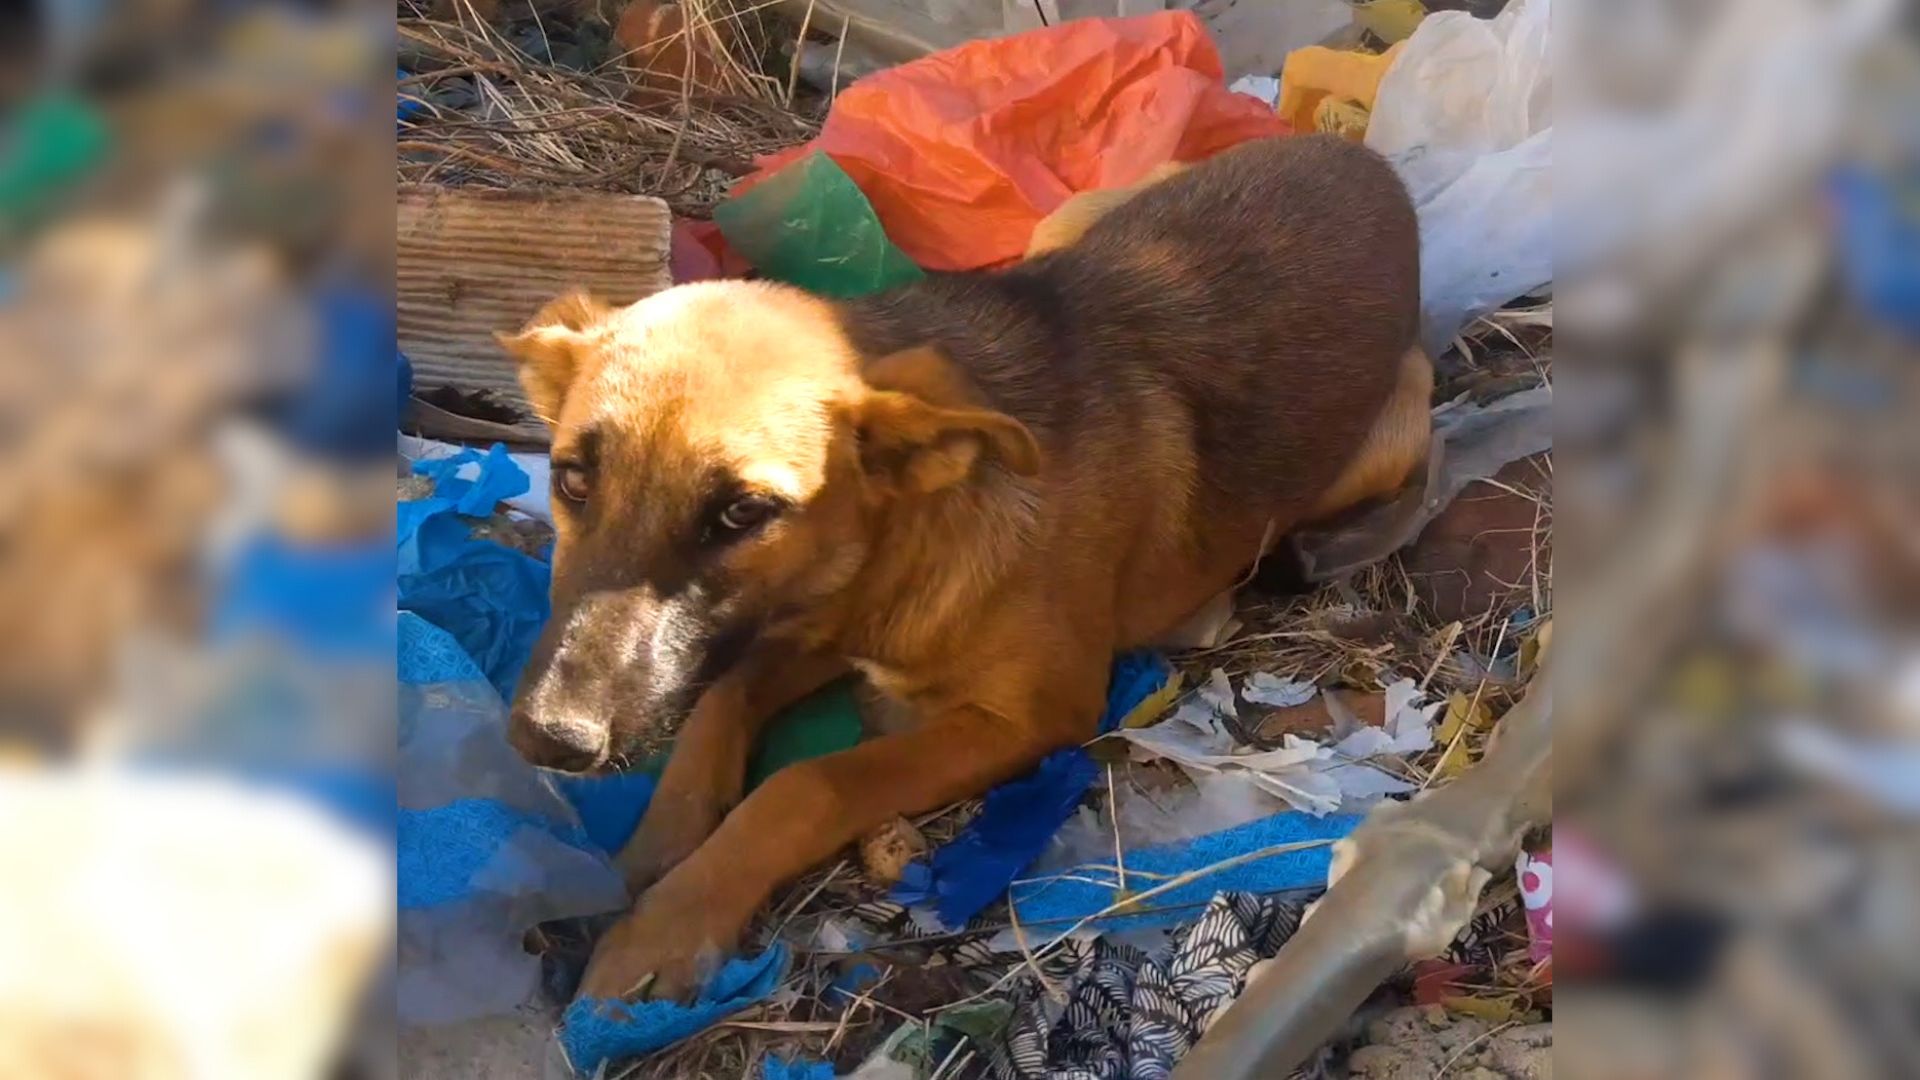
[{"x": 539, "y": 124}]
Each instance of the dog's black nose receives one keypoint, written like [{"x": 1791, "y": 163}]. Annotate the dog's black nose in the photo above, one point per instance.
[{"x": 558, "y": 743}]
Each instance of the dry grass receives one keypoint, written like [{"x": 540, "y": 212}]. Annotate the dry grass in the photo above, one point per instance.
[{"x": 542, "y": 124}]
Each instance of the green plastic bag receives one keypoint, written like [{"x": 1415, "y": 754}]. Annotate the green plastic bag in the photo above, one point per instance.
[
  {"x": 809, "y": 225},
  {"x": 823, "y": 723},
  {"x": 50, "y": 144}
]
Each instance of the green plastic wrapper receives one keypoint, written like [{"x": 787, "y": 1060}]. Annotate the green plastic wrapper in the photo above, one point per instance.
[
  {"x": 51, "y": 143},
  {"x": 823, "y": 723},
  {"x": 809, "y": 225}
]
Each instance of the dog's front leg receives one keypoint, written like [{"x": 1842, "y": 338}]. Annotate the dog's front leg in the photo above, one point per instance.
[
  {"x": 796, "y": 820},
  {"x": 708, "y": 764}
]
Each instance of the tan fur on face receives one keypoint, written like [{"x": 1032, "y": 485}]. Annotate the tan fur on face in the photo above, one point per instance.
[{"x": 759, "y": 383}]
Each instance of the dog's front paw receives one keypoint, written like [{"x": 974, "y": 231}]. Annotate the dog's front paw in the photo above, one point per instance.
[{"x": 664, "y": 949}]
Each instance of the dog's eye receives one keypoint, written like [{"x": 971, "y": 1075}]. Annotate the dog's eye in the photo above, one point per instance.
[
  {"x": 572, "y": 482},
  {"x": 745, "y": 513}
]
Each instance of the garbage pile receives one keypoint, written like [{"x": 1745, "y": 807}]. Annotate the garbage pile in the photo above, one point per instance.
[{"x": 1097, "y": 916}]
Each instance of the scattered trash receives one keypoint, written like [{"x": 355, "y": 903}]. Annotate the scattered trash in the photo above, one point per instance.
[
  {"x": 916, "y": 1050},
  {"x": 809, "y": 225},
  {"x": 1134, "y": 1015},
  {"x": 1534, "y": 871},
  {"x": 472, "y": 263},
  {"x": 1332, "y": 90},
  {"x": 1017, "y": 818},
  {"x": 1465, "y": 115},
  {"x": 963, "y": 152},
  {"x": 596, "y": 1032},
  {"x": 491, "y": 598},
  {"x": 487, "y": 848},
  {"x": 1266, "y": 688},
  {"x": 1319, "y": 779},
  {"x": 1300, "y": 847}
]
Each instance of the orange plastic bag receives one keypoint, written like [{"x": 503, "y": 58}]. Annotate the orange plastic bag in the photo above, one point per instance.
[{"x": 963, "y": 152}]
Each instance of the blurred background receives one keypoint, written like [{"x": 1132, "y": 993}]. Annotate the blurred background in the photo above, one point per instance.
[
  {"x": 197, "y": 397},
  {"x": 1738, "y": 685},
  {"x": 197, "y": 405}
]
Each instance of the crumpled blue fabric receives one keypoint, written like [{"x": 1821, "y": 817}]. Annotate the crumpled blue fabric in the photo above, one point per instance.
[
  {"x": 1060, "y": 900},
  {"x": 596, "y": 1031},
  {"x": 774, "y": 1068},
  {"x": 1018, "y": 818},
  {"x": 491, "y": 598}
]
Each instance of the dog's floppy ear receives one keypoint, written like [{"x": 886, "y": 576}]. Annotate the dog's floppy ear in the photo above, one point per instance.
[
  {"x": 920, "y": 430},
  {"x": 547, "y": 349}
]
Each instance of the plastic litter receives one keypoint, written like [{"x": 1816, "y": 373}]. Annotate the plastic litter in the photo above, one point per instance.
[
  {"x": 594, "y": 1032},
  {"x": 1317, "y": 81},
  {"x": 487, "y": 847},
  {"x": 963, "y": 152},
  {"x": 1534, "y": 871},
  {"x": 1018, "y": 818},
  {"x": 1058, "y": 901},
  {"x": 795, "y": 1069},
  {"x": 1465, "y": 116},
  {"x": 491, "y": 598},
  {"x": 1310, "y": 776},
  {"x": 809, "y": 225}
]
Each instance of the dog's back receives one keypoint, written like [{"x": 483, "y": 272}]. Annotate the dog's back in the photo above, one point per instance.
[{"x": 1252, "y": 310}]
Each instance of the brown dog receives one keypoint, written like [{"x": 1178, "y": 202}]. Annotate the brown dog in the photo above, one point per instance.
[{"x": 974, "y": 490}]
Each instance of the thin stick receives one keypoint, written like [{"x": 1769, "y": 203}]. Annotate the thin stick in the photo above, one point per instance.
[
  {"x": 1113, "y": 811},
  {"x": 1453, "y": 631},
  {"x": 958, "y": 1066},
  {"x": 799, "y": 49},
  {"x": 846, "y": 23},
  {"x": 1020, "y": 939},
  {"x": 945, "y": 1061}
]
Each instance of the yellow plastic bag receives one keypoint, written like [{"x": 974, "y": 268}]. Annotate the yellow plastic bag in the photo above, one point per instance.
[{"x": 1324, "y": 89}]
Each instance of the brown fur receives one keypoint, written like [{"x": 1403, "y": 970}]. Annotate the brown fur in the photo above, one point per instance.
[{"x": 990, "y": 484}]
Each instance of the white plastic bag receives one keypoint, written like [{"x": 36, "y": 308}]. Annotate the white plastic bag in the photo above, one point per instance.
[{"x": 1465, "y": 116}]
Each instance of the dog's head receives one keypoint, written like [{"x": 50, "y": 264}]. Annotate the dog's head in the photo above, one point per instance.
[{"x": 722, "y": 462}]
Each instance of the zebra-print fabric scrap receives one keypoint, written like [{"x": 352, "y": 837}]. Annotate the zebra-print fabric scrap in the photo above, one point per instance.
[{"x": 1131, "y": 1016}]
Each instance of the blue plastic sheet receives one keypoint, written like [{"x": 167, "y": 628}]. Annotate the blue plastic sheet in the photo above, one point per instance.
[
  {"x": 486, "y": 846},
  {"x": 796, "y": 1069},
  {"x": 1057, "y": 902}
]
